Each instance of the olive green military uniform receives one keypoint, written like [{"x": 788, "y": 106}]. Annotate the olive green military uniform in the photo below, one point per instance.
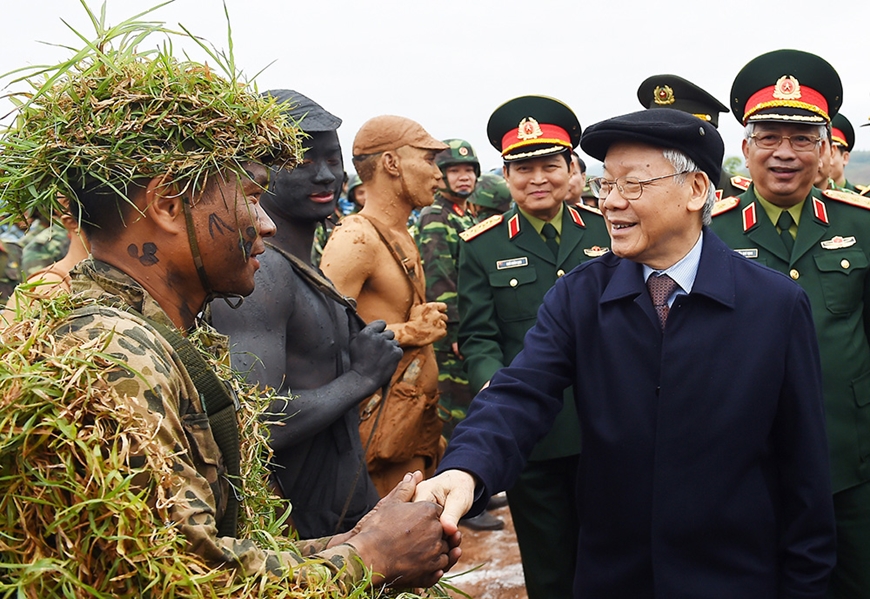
[
  {"x": 152, "y": 377},
  {"x": 831, "y": 262},
  {"x": 438, "y": 241},
  {"x": 505, "y": 268}
]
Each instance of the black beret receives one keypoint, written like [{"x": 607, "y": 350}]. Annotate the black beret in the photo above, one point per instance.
[
  {"x": 665, "y": 128},
  {"x": 311, "y": 116},
  {"x": 671, "y": 91}
]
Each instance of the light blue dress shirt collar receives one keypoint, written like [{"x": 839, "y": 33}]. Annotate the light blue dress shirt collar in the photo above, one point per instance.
[{"x": 683, "y": 272}]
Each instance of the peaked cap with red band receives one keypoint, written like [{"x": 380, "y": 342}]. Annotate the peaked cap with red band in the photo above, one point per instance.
[
  {"x": 842, "y": 132},
  {"x": 532, "y": 126},
  {"x": 788, "y": 86}
]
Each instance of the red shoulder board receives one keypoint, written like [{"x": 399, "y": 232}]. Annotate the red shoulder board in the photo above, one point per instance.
[
  {"x": 723, "y": 206},
  {"x": 741, "y": 182},
  {"x": 750, "y": 218},
  {"x": 820, "y": 211},
  {"x": 847, "y": 197},
  {"x": 484, "y": 225},
  {"x": 575, "y": 216},
  {"x": 513, "y": 226}
]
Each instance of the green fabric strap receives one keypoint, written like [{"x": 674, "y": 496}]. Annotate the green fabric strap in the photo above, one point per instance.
[{"x": 221, "y": 406}]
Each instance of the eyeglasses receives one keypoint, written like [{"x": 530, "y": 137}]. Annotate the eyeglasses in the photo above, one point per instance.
[
  {"x": 799, "y": 143},
  {"x": 629, "y": 188}
]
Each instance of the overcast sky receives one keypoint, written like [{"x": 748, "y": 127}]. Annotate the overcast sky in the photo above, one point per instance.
[{"x": 449, "y": 63}]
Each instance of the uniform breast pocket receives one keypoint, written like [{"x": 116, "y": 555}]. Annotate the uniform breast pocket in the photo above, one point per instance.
[
  {"x": 841, "y": 275},
  {"x": 517, "y": 297},
  {"x": 205, "y": 454}
]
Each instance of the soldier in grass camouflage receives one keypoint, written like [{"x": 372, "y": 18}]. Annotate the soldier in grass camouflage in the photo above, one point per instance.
[
  {"x": 162, "y": 246},
  {"x": 438, "y": 241}
]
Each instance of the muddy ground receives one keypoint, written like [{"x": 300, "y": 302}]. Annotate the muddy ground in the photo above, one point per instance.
[{"x": 500, "y": 575}]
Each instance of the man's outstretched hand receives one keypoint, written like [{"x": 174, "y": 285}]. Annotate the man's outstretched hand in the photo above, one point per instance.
[{"x": 453, "y": 490}]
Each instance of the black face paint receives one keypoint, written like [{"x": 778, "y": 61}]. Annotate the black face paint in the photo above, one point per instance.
[
  {"x": 149, "y": 253},
  {"x": 216, "y": 224},
  {"x": 251, "y": 233}
]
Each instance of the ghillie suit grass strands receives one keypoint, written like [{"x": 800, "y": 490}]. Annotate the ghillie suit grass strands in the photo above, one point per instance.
[{"x": 114, "y": 112}]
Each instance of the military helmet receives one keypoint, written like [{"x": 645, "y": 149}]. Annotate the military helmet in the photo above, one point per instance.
[
  {"x": 352, "y": 183},
  {"x": 458, "y": 152},
  {"x": 492, "y": 192}
]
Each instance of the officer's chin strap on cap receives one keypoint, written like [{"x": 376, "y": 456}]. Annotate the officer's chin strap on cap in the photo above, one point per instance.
[{"x": 232, "y": 300}]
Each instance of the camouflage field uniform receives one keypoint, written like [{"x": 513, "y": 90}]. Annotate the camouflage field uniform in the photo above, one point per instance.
[
  {"x": 44, "y": 249},
  {"x": 10, "y": 269},
  {"x": 491, "y": 196},
  {"x": 162, "y": 389},
  {"x": 438, "y": 242}
]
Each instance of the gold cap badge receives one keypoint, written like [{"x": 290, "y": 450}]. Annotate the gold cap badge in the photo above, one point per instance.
[
  {"x": 663, "y": 95},
  {"x": 463, "y": 151},
  {"x": 787, "y": 88},
  {"x": 529, "y": 129}
]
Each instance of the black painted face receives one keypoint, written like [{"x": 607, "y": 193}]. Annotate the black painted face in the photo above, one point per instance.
[{"x": 310, "y": 191}]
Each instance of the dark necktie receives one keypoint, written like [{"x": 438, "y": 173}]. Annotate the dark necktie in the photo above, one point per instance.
[
  {"x": 549, "y": 232},
  {"x": 660, "y": 289},
  {"x": 784, "y": 222}
]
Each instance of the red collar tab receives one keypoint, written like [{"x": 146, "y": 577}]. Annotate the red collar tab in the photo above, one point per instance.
[
  {"x": 838, "y": 137},
  {"x": 575, "y": 216},
  {"x": 820, "y": 211},
  {"x": 718, "y": 194},
  {"x": 513, "y": 226},
  {"x": 750, "y": 219},
  {"x": 531, "y": 132},
  {"x": 459, "y": 211},
  {"x": 787, "y": 93}
]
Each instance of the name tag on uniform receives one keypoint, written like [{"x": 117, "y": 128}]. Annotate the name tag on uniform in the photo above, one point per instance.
[
  {"x": 836, "y": 243},
  {"x": 512, "y": 263},
  {"x": 748, "y": 253}
]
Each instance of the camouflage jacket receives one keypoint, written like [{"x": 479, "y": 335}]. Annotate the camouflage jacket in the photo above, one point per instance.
[
  {"x": 156, "y": 381},
  {"x": 43, "y": 249},
  {"x": 438, "y": 240}
]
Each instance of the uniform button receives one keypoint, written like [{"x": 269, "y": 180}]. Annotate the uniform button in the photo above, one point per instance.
[
  {"x": 844, "y": 263},
  {"x": 794, "y": 274},
  {"x": 561, "y": 272},
  {"x": 514, "y": 282}
]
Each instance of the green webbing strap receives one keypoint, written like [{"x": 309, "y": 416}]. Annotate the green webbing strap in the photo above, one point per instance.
[{"x": 220, "y": 405}]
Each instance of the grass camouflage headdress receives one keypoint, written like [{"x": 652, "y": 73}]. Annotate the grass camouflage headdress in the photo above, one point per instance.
[{"x": 115, "y": 112}]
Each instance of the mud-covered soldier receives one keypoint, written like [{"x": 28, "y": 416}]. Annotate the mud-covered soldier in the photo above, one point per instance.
[
  {"x": 372, "y": 258},
  {"x": 506, "y": 266},
  {"x": 672, "y": 91},
  {"x": 785, "y": 100},
  {"x": 843, "y": 140},
  {"x": 298, "y": 335},
  {"x": 175, "y": 220},
  {"x": 438, "y": 241}
]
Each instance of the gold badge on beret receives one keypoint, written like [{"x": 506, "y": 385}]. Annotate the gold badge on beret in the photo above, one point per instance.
[
  {"x": 529, "y": 129},
  {"x": 663, "y": 95},
  {"x": 787, "y": 88}
]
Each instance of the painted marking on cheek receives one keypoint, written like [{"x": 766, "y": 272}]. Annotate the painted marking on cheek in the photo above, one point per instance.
[{"x": 216, "y": 224}]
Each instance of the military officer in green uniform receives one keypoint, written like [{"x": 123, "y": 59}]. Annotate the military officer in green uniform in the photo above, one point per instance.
[
  {"x": 843, "y": 138},
  {"x": 785, "y": 99},
  {"x": 506, "y": 265},
  {"x": 438, "y": 241},
  {"x": 672, "y": 91}
]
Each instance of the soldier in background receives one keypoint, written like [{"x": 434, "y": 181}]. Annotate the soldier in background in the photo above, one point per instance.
[
  {"x": 577, "y": 182},
  {"x": 672, "y": 91},
  {"x": 491, "y": 196},
  {"x": 843, "y": 137}
]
